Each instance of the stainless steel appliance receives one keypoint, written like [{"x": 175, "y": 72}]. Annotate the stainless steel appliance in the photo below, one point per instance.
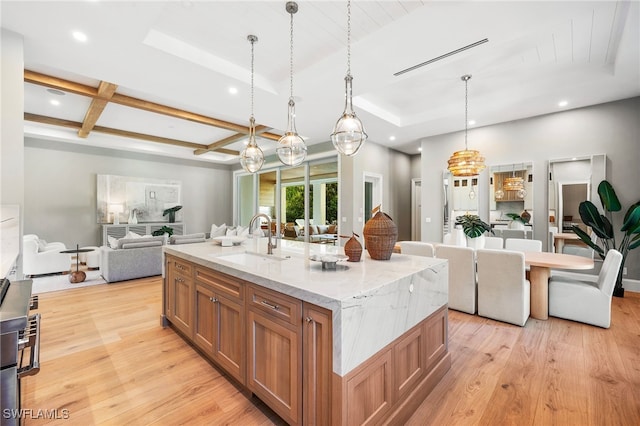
[{"x": 19, "y": 345}]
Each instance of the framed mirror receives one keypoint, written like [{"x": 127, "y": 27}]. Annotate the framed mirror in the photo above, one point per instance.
[
  {"x": 511, "y": 192},
  {"x": 460, "y": 196}
]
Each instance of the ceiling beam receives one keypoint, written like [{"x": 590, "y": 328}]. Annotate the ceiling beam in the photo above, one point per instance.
[
  {"x": 105, "y": 92},
  {"x": 84, "y": 90},
  {"x": 124, "y": 133},
  {"x": 229, "y": 140}
]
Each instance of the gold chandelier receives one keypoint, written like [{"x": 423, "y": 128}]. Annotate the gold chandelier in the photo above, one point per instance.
[
  {"x": 514, "y": 183},
  {"x": 467, "y": 162}
]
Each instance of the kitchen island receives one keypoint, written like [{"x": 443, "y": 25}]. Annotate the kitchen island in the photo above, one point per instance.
[{"x": 362, "y": 343}]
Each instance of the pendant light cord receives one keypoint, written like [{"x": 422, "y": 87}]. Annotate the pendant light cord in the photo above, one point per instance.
[
  {"x": 252, "y": 43},
  {"x": 466, "y": 111},
  {"x": 291, "y": 59},
  {"x": 349, "y": 37}
]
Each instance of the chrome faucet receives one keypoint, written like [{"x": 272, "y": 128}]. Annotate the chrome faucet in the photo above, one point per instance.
[{"x": 270, "y": 245}]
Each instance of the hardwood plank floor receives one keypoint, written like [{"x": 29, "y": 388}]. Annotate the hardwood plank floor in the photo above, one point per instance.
[{"x": 107, "y": 361}]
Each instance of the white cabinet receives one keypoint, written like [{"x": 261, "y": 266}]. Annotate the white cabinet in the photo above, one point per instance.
[{"x": 119, "y": 231}]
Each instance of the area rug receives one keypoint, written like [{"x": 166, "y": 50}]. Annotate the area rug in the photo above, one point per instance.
[{"x": 49, "y": 283}]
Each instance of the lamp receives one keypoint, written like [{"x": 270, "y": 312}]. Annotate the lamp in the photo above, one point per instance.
[
  {"x": 291, "y": 147},
  {"x": 116, "y": 209},
  {"x": 348, "y": 133},
  {"x": 515, "y": 183},
  {"x": 467, "y": 162},
  {"x": 252, "y": 157}
]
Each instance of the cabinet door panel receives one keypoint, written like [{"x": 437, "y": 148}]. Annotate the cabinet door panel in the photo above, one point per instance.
[
  {"x": 275, "y": 365},
  {"x": 183, "y": 304},
  {"x": 203, "y": 326},
  {"x": 317, "y": 367},
  {"x": 229, "y": 348}
]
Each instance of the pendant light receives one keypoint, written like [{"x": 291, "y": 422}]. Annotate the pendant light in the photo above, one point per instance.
[
  {"x": 348, "y": 133},
  {"x": 515, "y": 183},
  {"x": 467, "y": 162},
  {"x": 252, "y": 158},
  {"x": 291, "y": 147}
]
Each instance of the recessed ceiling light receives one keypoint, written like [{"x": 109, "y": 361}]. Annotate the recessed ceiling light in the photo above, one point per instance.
[
  {"x": 54, "y": 102},
  {"x": 233, "y": 90},
  {"x": 392, "y": 138},
  {"x": 563, "y": 103},
  {"x": 80, "y": 36},
  {"x": 472, "y": 122},
  {"x": 419, "y": 149},
  {"x": 56, "y": 92}
]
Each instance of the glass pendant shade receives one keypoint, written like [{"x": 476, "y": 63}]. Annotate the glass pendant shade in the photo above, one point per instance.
[
  {"x": 291, "y": 147},
  {"x": 348, "y": 133},
  {"x": 499, "y": 194},
  {"x": 466, "y": 162},
  {"x": 252, "y": 157},
  {"x": 521, "y": 193}
]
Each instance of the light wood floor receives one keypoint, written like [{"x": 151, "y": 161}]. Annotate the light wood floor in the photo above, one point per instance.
[{"x": 107, "y": 361}]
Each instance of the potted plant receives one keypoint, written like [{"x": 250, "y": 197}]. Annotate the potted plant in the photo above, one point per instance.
[
  {"x": 602, "y": 226},
  {"x": 474, "y": 228},
  {"x": 164, "y": 230}
]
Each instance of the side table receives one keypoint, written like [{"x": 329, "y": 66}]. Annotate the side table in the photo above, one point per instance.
[{"x": 77, "y": 276}]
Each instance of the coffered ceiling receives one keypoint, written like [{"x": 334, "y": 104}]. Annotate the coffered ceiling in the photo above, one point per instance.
[{"x": 155, "y": 76}]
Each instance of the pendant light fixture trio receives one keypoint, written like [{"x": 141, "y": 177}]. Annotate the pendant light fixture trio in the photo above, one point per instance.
[
  {"x": 252, "y": 157},
  {"x": 467, "y": 162},
  {"x": 348, "y": 134},
  {"x": 291, "y": 147}
]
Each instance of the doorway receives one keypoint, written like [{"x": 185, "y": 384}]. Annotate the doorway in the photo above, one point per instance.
[
  {"x": 416, "y": 209},
  {"x": 372, "y": 193}
]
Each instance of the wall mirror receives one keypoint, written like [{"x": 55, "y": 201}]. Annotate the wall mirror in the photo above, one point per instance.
[
  {"x": 511, "y": 191},
  {"x": 460, "y": 196},
  {"x": 571, "y": 181}
]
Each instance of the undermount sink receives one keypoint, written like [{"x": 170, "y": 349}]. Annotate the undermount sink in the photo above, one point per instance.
[{"x": 251, "y": 258}]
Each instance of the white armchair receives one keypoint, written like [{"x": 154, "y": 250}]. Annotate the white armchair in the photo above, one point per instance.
[
  {"x": 503, "y": 292},
  {"x": 493, "y": 242},
  {"x": 416, "y": 248},
  {"x": 40, "y": 257},
  {"x": 462, "y": 277},
  {"x": 586, "y": 301}
]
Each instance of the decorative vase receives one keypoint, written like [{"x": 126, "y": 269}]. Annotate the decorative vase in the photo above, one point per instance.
[
  {"x": 134, "y": 217},
  {"x": 353, "y": 249},
  {"x": 380, "y": 235},
  {"x": 526, "y": 216},
  {"x": 516, "y": 224},
  {"x": 476, "y": 243}
]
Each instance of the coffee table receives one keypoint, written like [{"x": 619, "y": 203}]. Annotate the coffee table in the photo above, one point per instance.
[{"x": 77, "y": 276}]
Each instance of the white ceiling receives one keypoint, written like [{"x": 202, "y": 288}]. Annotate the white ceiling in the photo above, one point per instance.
[{"x": 186, "y": 54}]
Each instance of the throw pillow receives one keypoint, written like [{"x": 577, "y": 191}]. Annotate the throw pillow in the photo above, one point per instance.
[
  {"x": 132, "y": 234},
  {"x": 113, "y": 242},
  {"x": 333, "y": 229},
  {"x": 218, "y": 231},
  {"x": 231, "y": 232},
  {"x": 42, "y": 245}
]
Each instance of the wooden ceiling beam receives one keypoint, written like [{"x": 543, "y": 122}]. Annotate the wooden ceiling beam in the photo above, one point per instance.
[
  {"x": 60, "y": 84},
  {"x": 124, "y": 133},
  {"x": 105, "y": 93},
  {"x": 229, "y": 140}
]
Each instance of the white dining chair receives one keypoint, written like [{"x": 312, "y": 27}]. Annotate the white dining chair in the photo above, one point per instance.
[
  {"x": 512, "y": 233},
  {"x": 520, "y": 244},
  {"x": 504, "y": 294},
  {"x": 416, "y": 248},
  {"x": 462, "y": 277},
  {"x": 586, "y": 301},
  {"x": 493, "y": 242}
]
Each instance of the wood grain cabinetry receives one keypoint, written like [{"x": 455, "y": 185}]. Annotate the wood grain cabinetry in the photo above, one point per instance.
[
  {"x": 275, "y": 351},
  {"x": 498, "y": 183},
  {"x": 180, "y": 291}
]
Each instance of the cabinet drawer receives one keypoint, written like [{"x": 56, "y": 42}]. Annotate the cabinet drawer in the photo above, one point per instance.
[
  {"x": 221, "y": 283},
  {"x": 180, "y": 266},
  {"x": 278, "y": 305}
]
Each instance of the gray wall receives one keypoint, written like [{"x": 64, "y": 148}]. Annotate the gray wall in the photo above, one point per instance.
[
  {"x": 60, "y": 189},
  {"x": 612, "y": 129}
]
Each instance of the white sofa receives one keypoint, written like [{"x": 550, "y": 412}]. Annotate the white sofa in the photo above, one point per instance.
[{"x": 40, "y": 257}]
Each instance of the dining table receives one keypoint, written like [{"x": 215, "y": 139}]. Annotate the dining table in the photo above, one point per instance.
[
  {"x": 560, "y": 238},
  {"x": 540, "y": 264}
]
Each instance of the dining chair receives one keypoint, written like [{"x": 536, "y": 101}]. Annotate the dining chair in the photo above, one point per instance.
[
  {"x": 416, "y": 248},
  {"x": 504, "y": 294},
  {"x": 462, "y": 277},
  {"x": 513, "y": 233},
  {"x": 521, "y": 244},
  {"x": 493, "y": 242},
  {"x": 586, "y": 301}
]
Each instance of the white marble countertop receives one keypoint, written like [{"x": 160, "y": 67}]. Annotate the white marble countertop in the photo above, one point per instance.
[{"x": 373, "y": 301}]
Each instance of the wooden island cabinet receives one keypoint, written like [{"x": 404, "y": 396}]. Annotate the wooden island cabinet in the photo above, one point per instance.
[{"x": 286, "y": 350}]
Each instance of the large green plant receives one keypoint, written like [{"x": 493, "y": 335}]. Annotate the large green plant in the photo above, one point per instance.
[
  {"x": 602, "y": 226},
  {"x": 472, "y": 225}
]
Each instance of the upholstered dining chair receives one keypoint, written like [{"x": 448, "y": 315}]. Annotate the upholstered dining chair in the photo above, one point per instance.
[
  {"x": 503, "y": 292},
  {"x": 586, "y": 301},
  {"x": 520, "y": 244},
  {"x": 493, "y": 242},
  {"x": 416, "y": 248},
  {"x": 462, "y": 277}
]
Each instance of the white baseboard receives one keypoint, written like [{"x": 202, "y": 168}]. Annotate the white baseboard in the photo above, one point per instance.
[
  {"x": 631, "y": 285},
  {"x": 628, "y": 284}
]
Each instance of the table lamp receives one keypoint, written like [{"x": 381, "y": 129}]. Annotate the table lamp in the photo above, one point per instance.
[{"x": 116, "y": 209}]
